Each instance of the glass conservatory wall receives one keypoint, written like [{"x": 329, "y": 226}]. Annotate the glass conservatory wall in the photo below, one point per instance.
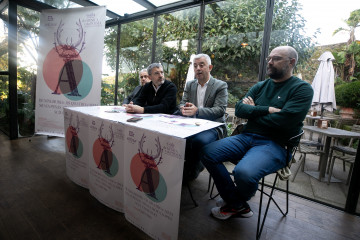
[
  {"x": 4, "y": 79},
  {"x": 310, "y": 32},
  {"x": 108, "y": 68},
  {"x": 4, "y": 104},
  {"x": 3, "y": 41},
  {"x": 28, "y": 30},
  {"x": 176, "y": 41},
  {"x": 135, "y": 54},
  {"x": 233, "y": 32}
]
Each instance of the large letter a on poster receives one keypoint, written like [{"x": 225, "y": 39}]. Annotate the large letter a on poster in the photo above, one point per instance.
[{"x": 69, "y": 67}]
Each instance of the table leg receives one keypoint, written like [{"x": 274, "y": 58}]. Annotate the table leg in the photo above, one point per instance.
[
  {"x": 320, "y": 175},
  {"x": 324, "y": 158}
]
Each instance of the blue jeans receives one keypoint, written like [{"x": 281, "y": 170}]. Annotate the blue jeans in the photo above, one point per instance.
[
  {"x": 194, "y": 144},
  {"x": 255, "y": 156}
]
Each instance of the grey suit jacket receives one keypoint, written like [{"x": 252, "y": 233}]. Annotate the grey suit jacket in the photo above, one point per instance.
[{"x": 215, "y": 102}]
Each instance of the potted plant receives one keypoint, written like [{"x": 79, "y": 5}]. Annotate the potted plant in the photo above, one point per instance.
[{"x": 348, "y": 97}]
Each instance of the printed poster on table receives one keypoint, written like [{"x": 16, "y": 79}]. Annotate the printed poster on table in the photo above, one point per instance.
[
  {"x": 106, "y": 162},
  {"x": 153, "y": 167},
  {"x": 70, "y": 63},
  {"x": 77, "y": 146}
]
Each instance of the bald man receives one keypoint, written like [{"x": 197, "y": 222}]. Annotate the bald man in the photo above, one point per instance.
[{"x": 275, "y": 109}]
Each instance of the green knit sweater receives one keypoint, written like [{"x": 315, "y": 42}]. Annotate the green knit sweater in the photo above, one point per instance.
[{"x": 292, "y": 96}]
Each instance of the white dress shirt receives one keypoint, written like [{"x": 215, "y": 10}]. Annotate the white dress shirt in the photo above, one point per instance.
[{"x": 201, "y": 90}]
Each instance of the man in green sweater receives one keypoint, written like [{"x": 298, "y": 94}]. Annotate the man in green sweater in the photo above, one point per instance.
[{"x": 275, "y": 109}]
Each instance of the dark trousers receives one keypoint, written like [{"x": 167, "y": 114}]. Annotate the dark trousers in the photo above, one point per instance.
[{"x": 194, "y": 145}]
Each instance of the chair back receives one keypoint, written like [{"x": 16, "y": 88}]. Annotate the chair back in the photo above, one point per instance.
[
  {"x": 291, "y": 148},
  {"x": 346, "y": 121},
  {"x": 354, "y": 128}
]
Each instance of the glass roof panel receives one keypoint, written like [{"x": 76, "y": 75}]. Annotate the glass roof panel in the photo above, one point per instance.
[
  {"x": 159, "y": 3},
  {"x": 121, "y": 7},
  {"x": 61, "y": 4}
]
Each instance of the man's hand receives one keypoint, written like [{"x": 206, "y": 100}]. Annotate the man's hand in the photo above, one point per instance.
[
  {"x": 125, "y": 105},
  {"x": 188, "y": 109},
  {"x": 131, "y": 108},
  {"x": 274, "y": 110},
  {"x": 248, "y": 101}
]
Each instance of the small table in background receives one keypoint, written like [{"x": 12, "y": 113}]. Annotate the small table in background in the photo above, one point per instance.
[{"x": 329, "y": 133}]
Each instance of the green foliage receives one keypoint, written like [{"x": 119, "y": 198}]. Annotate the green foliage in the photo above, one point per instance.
[
  {"x": 349, "y": 57},
  {"x": 135, "y": 45},
  {"x": 343, "y": 57},
  {"x": 232, "y": 100},
  {"x": 107, "y": 93},
  {"x": 229, "y": 128},
  {"x": 231, "y": 24},
  {"x": 348, "y": 95},
  {"x": 228, "y": 24},
  {"x": 26, "y": 113},
  {"x": 127, "y": 85}
]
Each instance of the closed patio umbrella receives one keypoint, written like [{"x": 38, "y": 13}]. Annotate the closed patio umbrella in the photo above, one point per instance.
[
  {"x": 191, "y": 73},
  {"x": 323, "y": 85}
]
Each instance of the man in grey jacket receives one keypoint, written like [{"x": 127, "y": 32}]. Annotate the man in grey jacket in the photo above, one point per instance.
[{"x": 204, "y": 97}]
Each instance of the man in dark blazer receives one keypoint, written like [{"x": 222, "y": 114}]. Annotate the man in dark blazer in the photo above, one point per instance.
[
  {"x": 157, "y": 96},
  {"x": 204, "y": 97},
  {"x": 144, "y": 78}
]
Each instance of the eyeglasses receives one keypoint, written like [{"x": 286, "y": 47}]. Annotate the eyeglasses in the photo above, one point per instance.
[
  {"x": 144, "y": 76},
  {"x": 275, "y": 58}
]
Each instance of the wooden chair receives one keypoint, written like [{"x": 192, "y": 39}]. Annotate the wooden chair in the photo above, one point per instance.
[
  {"x": 346, "y": 121},
  {"x": 344, "y": 153}
]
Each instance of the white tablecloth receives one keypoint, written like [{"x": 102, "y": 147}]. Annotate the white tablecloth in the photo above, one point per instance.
[{"x": 134, "y": 168}]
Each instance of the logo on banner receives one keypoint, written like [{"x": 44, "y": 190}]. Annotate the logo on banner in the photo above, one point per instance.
[
  {"x": 104, "y": 157},
  {"x": 145, "y": 172},
  {"x": 63, "y": 70},
  {"x": 73, "y": 141}
]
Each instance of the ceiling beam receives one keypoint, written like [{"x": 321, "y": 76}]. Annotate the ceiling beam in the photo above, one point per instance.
[
  {"x": 177, "y": 6},
  {"x": 34, "y": 5},
  {"x": 86, "y": 3},
  {"x": 146, "y": 4},
  {"x": 3, "y": 5}
]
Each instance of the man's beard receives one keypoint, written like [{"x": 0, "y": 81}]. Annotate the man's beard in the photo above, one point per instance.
[{"x": 277, "y": 73}]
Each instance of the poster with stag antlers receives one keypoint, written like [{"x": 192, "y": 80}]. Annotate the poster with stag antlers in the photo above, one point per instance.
[
  {"x": 76, "y": 146},
  {"x": 69, "y": 64},
  {"x": 153, "y": 166},
  {"x": 106, "y": 162}
]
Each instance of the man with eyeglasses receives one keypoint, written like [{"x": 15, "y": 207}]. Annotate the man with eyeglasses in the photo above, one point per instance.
[
  {"x": 144, "y": 78},
  {"x": 157, "y": 96},
  {"x": 275, "y": 109}
]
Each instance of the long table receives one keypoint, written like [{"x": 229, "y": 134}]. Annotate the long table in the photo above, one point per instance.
[
  {"x": 133, "y": 168},
  {"x": 329, "y": 133}
]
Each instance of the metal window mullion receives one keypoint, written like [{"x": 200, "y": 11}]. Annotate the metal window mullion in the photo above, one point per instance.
[
  {"x": 266, "y": 38},
  {"x": 201, "y": 27},
  {"x": 153, "y": 47},
  {"x": 354, "y": 186},
  {"x": 12, "y": 46},
  {"x": 117, "y": 64}
]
